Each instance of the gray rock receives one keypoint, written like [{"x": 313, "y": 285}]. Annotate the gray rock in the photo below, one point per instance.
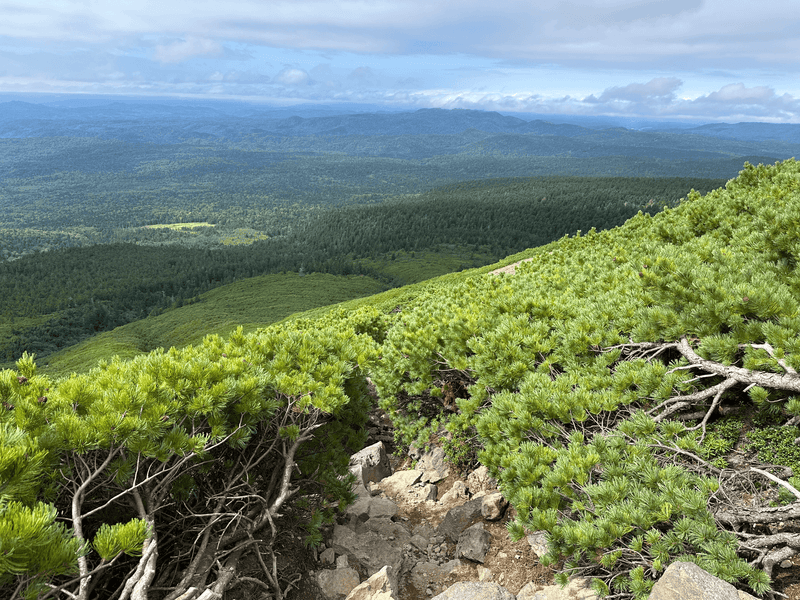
[
  {"x": 456, "y": 495},
  {"x": 493, "y": 506},
  {"x": 337, "y": 584},
  {"x": 577, "y": 589},
  {"x": 342, "y": 562},
  {"x": 424, "y": 529},
  {"x": 475, "y": 591},
  {"x": 433, "y": 465},
  {"x": 372, "y": 550},
  {"x": 417, "y": 494},
  {"x": 419, "y": 542},
  {"x": 479, "y": 480},
  {"x": 381, "y": 586},
  {"x": 473, "y": 543},
  {"x": 380, "y": 508},
  {"x": 328, "y": 556},
  {"x": 459, "y": 518},
  {"x": 370, "y": 508},
  {"x": 538, "y": 543},
  {"x": 687, "y": 581},
  {"x": 374, "y": 463},
  {"x": 397, "y": 483},
  {"x": 423, "y": 574}
]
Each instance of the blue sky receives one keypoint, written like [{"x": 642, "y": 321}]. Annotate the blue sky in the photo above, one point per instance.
[{"x": 727, "y": 60}]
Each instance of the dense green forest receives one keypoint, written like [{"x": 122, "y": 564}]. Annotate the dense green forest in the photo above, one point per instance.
[
  {"x": 633, "y": 390},
  {"x": 55, "y": 299}
]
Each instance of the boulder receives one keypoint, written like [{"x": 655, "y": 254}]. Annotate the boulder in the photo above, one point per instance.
[
  {"x": 426, "y": 574},
  {"x": 397, "y": 483},
  {"x": 472, "y": 590},
  {"x": 417, "y": 494},
  {"x": 479, "y": 480},
  {"x": 687, "y": 581},
  {"x": 455, "y": 496},
  {"x": 433, "y": 465},
  {"x": 493, "y": 506},
  {"x": 336, "y": 584},
  {"x": 374, "y": 463},
  {"x": 459, "y": 518},
  {"x": 538, "y": 543},
  {"x": 372, "y": 547},
  {"x": 577, "y": 589},
  {"x": 381, "y": 586},
  {"x": 368, "y": 507},
  {"x": 327, "y": 556},
  {"x": 473, "y": 543}
]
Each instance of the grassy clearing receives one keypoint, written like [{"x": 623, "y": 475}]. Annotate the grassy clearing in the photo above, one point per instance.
[{"x": 251, "y": 303}]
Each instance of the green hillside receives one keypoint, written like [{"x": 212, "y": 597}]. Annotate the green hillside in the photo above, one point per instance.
[
  {"x": 607, "y": 385},
  {"x": 252, "y": 303}
]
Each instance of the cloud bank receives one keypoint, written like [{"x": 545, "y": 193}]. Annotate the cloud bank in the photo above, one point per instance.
[{"x": 699, "y": 59}]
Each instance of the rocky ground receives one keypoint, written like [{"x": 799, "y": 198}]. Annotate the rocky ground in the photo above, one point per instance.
[{"x": 435, "y": 527}]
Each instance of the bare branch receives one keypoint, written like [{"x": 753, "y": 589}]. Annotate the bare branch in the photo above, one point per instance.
[
  {"x": 77, "y": 518},
  {"x": 771, "y": 351},
  {"x": 722, "y": 387},
  {"x": 788, "y": 381},
  {"x": 781, "y": 482}
]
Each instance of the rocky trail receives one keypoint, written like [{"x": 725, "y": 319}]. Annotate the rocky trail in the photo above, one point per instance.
[{"x": 421, "y": 531}]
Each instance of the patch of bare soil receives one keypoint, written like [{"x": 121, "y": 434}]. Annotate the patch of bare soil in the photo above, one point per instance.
[{"x": 510, "y": 269}]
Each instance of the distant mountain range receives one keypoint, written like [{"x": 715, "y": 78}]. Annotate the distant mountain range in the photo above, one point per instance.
[
  {"x": 191, "y": 120},
  {"x": 503, "y": 145}
]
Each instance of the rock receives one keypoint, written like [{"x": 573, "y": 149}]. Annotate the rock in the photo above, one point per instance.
[
  {"x": 397, "y": 483},
  {"x": 372, "y": 549},
  {"x": 493, "y": 506},
  {"x": 370, "y": 508},
  {"x": 328, "y": 556},
  {"x": 577, "y": 589},
  {"x": 424, "y": 574},
  {"x": 456, "y": 495},
  {"x": 381, "y": 586},
  {"x": 342, "y": 562},
  {"x": 419, "y": 542},
  {"x": 459, "y": 518},
  {"x": 475, "y": 591},
  {"x": 417, "y": 494},
  {"x": 484, "y": 574},
  {"x": 374, "y": 463},
  {"x": 473, "y": 543},
  {"x": 687, "y": 581},
  {"x": 433, "y": 465},
  {"x": 479, "y": 480},
  {"x": 538, "y": 543},
  {"x": 337, "y": 584}
]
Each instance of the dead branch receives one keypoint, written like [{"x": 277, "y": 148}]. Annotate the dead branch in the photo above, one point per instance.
[
  {"x": 771, "y": 351},
  {"x": 722, "y": 387},
  {"x": 781, "y": 482},
  {"x": 788, "y": 381},
  {"x": 767, "y": 514}
]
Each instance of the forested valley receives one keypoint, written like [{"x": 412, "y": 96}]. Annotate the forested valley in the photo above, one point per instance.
[{"x": 57, "y": 298}]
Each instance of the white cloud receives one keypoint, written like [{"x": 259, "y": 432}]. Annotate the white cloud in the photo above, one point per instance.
[
  {"x": 180, "y": 51},
  {"x": 292, "y": 77}
]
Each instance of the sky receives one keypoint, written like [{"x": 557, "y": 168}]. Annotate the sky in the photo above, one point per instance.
[{"x": 708, "y": 60}]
